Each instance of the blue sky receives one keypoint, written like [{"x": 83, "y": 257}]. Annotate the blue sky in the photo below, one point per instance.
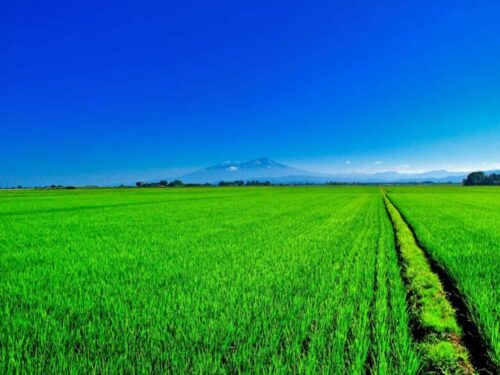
[{"x": 102, "y": 92}]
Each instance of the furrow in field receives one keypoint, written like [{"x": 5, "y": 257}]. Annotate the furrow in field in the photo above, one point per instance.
[
  {"x": 436, "y": 326},
  {"x": 463, "y": 238},
  {"x": 470, "y": 334}
]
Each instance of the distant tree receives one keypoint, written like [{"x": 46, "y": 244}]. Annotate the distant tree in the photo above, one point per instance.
[
  {"x": 139, "y": 184},
  {"x": 494, "y": 179},
  {"x": 163, "y": 183},
  {"x": 258, "y": 183},
  {"x": 176, "y": 183},
  {"x": 480, "y": 178},
  {"x": 232, "y": 183},
  {"x": 475, "y": 178}
]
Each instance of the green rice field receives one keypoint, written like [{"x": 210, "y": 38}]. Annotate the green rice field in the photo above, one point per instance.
[{"x": 230, "y": 280}]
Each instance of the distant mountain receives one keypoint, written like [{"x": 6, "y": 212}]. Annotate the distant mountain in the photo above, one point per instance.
[
  {"x": 265, "y": 169},
  {"x": 373, "y": 178}
]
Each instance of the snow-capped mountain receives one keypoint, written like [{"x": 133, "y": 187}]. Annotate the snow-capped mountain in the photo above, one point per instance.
[{"x": 258, "y": 169}]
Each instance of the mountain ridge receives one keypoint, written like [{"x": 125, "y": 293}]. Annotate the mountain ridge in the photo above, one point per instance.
[{"x": 266, "y": 169}]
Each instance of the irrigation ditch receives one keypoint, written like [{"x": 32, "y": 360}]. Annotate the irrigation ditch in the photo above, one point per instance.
[{"x": 442, "y": 324}]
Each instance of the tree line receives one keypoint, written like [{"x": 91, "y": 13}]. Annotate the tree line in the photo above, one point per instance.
[
  {"x": 179, "y": 183},
  {"x": 164, "y": 183},
  {"x": 481, "y": 178},
  {"x": 243, "y": 183}
]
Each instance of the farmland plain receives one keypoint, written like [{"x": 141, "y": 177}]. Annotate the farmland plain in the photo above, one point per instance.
[
  {"x": 201, "y": 280},
  {"x": 210, "y": 280}
]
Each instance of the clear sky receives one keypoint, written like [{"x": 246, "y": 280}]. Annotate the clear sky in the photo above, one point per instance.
[{"x": 103, "y": 91}]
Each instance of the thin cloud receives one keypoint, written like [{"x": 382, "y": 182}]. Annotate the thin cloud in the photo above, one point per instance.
[{"x": 404, "y": 166}]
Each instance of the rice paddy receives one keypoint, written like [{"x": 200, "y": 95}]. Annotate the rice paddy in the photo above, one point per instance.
[{"x": 226, "y": 280}]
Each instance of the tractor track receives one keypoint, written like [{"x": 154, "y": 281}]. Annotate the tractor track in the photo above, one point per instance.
[{"x": 471, "y": 338}]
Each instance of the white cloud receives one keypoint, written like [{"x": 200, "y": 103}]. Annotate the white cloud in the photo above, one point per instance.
[
  {"x": 348, "y": 162},
  {"x": 232, "y": 168},
  {"x": 404, "y": 166},
  {"x": 491, "y": 165},
  {"x": 378, "y": 162}
]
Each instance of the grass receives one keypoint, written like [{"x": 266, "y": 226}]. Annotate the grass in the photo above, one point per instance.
[
  {"x": 201, "y": 280},
  {"x": 459, "y": 227}
]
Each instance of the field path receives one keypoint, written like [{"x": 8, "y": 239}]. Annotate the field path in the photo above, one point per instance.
[{"x": 444, "y": 327}]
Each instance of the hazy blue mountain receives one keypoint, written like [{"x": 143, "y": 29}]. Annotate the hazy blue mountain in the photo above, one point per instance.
[
  {"x": 259, "y": 169},
  {"x": 382, "y": 177},
  {"x": 265, "y": 169}
]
